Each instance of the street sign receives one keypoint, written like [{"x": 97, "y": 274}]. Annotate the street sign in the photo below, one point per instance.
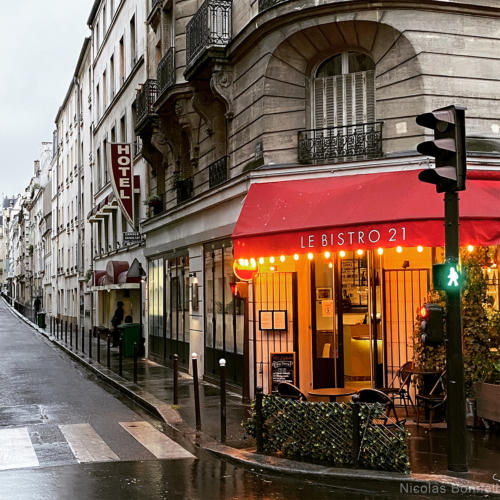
[{"x": 132, "y": 237}]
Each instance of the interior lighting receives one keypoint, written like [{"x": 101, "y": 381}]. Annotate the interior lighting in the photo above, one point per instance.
[
  {"x": 470, "y": 248},
  {"x": 380, "y": 251},
  {"x": 282, "y": 258},
  {"x": 271, "y": 260},
  {"x": 330, "y": 265},
  {"x": 261, "y": 260},
  {"x": 296, "y": 256},
  {"x": 342, "y": 253},
  {"x": 241, "y": 262},
  {"x": 360, "y": 252},
  {"x": 310, "y": 256},
  {"x": 272, "y": 268},
  {"x": 399, "y": 249},
  {"x": 327, "y": 254},
  {"x": 246, "y": 263},
  {"x": 252, "y": 262},
  {"x": 420, "y": 249}
]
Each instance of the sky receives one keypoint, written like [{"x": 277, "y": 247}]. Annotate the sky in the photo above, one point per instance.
[{"x": 40, "y": 44}]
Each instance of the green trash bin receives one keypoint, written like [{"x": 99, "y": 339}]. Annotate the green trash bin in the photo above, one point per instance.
[
  {"x": 130, "y": 333},
  {"x": 41, "y": 320}
]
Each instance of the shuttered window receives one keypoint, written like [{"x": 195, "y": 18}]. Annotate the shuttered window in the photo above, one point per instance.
[{"x": 344, "y": 91}]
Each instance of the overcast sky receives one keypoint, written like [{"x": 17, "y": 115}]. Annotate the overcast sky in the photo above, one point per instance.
[{"x": 40, "y": 42}]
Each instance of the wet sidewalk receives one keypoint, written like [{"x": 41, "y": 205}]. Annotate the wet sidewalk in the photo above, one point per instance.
[{"x": 154, "y": 389}]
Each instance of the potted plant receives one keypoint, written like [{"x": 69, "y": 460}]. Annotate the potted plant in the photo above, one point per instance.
[{"x": 155, "y": 203}]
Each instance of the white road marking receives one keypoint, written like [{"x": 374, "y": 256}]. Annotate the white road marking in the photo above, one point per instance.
[
  {"x": 156, "y": 442},
  {"x": 16, "y": 449},
  {"x": 86, "y": 444}
]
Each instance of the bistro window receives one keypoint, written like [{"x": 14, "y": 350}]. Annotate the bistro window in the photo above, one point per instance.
[{"x": 344, "y": 91}]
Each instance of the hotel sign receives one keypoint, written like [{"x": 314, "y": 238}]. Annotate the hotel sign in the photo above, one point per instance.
[{"x": 122, "y": 178}]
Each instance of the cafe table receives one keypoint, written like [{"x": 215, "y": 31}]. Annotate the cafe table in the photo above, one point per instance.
[{"x": 332, "y": 392}]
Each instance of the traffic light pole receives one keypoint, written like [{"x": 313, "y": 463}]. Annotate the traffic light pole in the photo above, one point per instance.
[{"x": 455, "y": 407}]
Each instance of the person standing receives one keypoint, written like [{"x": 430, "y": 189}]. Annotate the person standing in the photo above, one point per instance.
[{"x": 117, "y": 320}]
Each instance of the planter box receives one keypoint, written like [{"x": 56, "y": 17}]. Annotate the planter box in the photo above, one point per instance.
[{"x": 488, "y": 400}]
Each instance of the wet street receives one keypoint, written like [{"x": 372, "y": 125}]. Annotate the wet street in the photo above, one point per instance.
[{"x": 65, "y": 436}]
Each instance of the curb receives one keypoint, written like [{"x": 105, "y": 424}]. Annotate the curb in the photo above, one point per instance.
[{"x": 417, "y": 484}]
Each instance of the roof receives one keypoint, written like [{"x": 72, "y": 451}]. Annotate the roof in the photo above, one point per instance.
[{"x": 93, "y": 12}]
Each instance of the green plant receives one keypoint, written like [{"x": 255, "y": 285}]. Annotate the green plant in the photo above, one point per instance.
[
  {"x": 152, "y": 200},
  {"x": 88, "y": 274},
  {"x": 31, "y": 249}
]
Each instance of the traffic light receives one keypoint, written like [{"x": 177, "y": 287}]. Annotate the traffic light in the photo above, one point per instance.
[
  {"x": 448, "y": 148},
  {"x": 432, "y": 324},
  {"x": 446, "y": 276}
]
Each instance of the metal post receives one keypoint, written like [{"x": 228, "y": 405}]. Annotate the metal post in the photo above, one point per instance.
[
  {"x": 66, "y": 332},
  {"x": 355, "y": 430},
  {"x": 108, "y": 352},
  {"x": 258, "y": 419},
  {"x": 135, "y": 362},
  {"x": 120, "y": 357},
  {"x": 222, "y": 366},
  {"x": 76, "y": 337},
  {"x": 196, "y": 391},
  {"x": 83, "y": 340},
  {"x": 455, "y": 406},
  {"x": 98, "y": 347},
  {"x": 71, "y": 335},
  {"x": 90, "y": 343},
  {"x": 176, "y": 379},
  {"x": 57, "y": 328}
]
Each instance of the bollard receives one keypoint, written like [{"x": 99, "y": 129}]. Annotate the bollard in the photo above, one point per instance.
[
  {"x": 76, "y": 337},
  {"x": 108, "y": 352},
  {"x": 222, "y": 366},
  {"x": 66, "y": 332},
  {"x": 176, "y": 379},
  {"x": 83, "y": 340},
  {"x": 135, "y": 362},
  {"x": 90, "y": 343},
  {"x": 57, "y": 328},
  {"x": 355, "y": 406},
  {"x": 71, "y": 335},
  {"x": 120, "y": 357},
  {"x": 196, "y": 391},
  {"x": 258, "y": 419},
  {"x": 98, "y": 347}
]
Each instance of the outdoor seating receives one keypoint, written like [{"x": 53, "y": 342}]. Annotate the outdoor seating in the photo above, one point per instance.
[
  {"x": 402, "y": 391},
  {"x": 376, "y": 396},
  {"x": 433, "y": 401},
  {"x": 290, "y": 391}
]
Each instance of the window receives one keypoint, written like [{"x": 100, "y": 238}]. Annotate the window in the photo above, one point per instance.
[
  {"x": 104, "y": 91},
  {"x": 104, "y": 20},
  {"x": 132, "y": 42},
  {"x": 344, "y": 91},
  {"x": 98, "y": 169},
  {"x": 112, "y": 76},
  {"x": 97, "y": 37},
  {"x": 97, "y": 98},
  {"x": 122, "y": 61},
  {"x": 123, "y": 129},
  {"x": 105, "y": 160}
]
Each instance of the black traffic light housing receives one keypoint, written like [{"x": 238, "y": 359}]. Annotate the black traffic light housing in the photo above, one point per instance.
[
  {"x": 448, "y": 148},
  {"x": 432, "y": 324}
]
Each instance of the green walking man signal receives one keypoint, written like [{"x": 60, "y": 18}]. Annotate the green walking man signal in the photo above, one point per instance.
[{"x": 445, "y": 276}]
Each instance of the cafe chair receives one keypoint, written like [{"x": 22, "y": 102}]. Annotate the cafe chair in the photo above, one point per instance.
[
  {"x": 433, "y": 401},
  {"x": 402, "y": 390},
  {"x": 376, "y": 396},
  {"x": 290, "y": 391}
]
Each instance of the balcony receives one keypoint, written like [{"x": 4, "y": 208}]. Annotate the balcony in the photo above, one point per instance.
[
  {"x": 268, "y": 4},
  {"x": 166, "y": 72},
  {"x": 362, "y": 140},
  {"x": 217, "y": 172},
  {"x": 208, "y": 32},
  {"x": 144, "y": 101},
  {"x": 184, "y": 189}
]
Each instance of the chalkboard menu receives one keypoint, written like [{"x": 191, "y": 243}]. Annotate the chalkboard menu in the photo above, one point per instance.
[{"x": 282, "y": 369}]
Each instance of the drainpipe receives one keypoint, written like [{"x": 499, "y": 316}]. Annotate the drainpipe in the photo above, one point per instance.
[{"x": 79, "y": 253}]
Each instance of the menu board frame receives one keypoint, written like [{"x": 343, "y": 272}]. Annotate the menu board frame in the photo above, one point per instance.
[
  {"x": 270, "y": 320},
  {"x": 272, "y": 382}
]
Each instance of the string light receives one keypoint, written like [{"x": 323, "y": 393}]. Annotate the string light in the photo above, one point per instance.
[
  {"x": 246, "y": 263},
  {"x": 360, "y": 252},
  {"x": 310, "y": 256},
  {"x": 252, "y": 262},
  {"x": 330, "y": 265},
  {"x": 470, "y": 248},
  {"x": 282, "y": 258},
  {"x": 296, "y": 256},
  {"x": 342, "y": 253},
  {"x": 327, "y": 254},
  {"x": 272, "y": 268},
  {"x": 241, "y": 262},
  {"x": 261, "y": 260},
  {"x": 271, "y": 260},
  {"x": 399, "y": 249},
  {"x": 420, "y": 249},
  {"x": 380, "y": 251}
]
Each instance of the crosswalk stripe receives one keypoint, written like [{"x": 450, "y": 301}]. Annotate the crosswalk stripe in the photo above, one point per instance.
[
  {"x": 16, "y": 449},
  {"x": 86, "y": 444},
  {"x": 153, "y": 440}
]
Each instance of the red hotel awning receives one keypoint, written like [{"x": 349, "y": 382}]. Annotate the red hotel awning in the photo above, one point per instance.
[{"x": 362, "y": 211}]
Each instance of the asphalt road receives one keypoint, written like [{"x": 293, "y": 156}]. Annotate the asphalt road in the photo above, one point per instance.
[{"x": 63, "y": 435}]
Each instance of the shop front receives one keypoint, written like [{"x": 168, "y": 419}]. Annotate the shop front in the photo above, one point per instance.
[{"x": 340, "y": 266}]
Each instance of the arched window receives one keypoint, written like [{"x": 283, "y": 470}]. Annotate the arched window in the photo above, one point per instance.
[{"x": 344, "y": 91}]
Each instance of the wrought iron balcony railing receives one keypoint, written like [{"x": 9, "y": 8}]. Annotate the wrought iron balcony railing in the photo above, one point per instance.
[
  {"x": 154, "y": 3},
  {"x": 336, "y": 143},
  {"x": 217, "y": 172},
  {"x": 145, "y": 100},
  {"x": 184, "y": 189},
  {"x": 267, "y": 4},
  {"x": 166, "y": 71},
  {"x": 209, "y": 27}
]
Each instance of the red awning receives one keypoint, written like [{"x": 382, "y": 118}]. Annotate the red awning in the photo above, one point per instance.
[{"x": 362, "y": 211}]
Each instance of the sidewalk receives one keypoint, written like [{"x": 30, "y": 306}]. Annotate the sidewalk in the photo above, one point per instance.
[{"x": 154, "y": 391}]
